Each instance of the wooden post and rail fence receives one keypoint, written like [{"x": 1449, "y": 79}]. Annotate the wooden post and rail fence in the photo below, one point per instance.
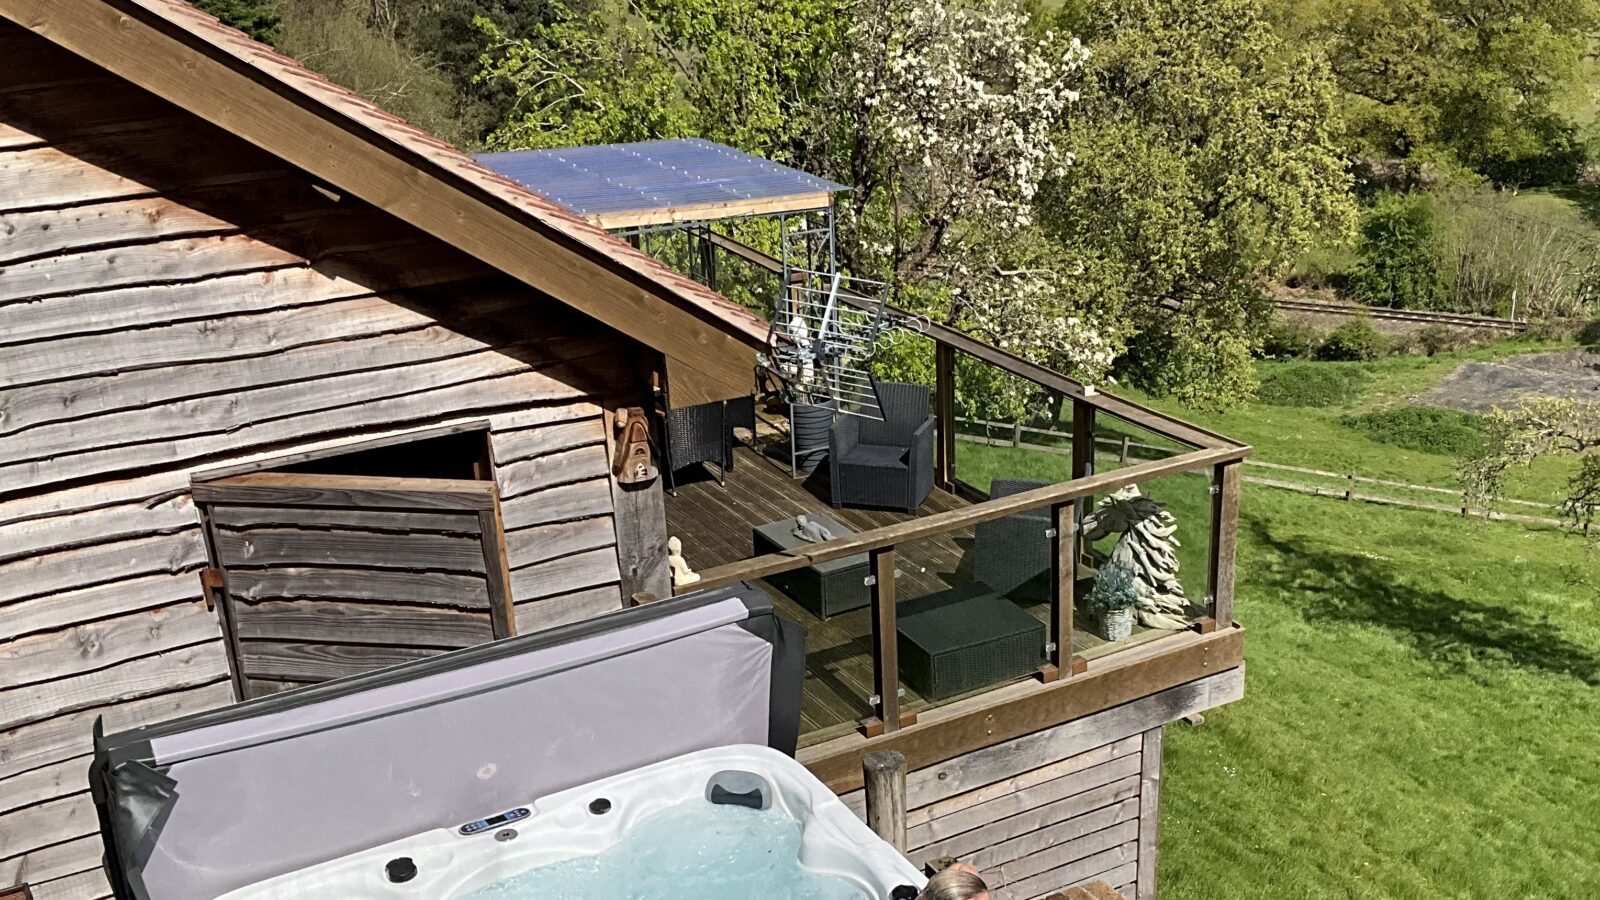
[{"x": 1123, "y": 448}]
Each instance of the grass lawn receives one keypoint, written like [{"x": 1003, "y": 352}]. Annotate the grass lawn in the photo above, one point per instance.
[
  {"x": 1315, "y": 438},
  {"x": 1422, "y": 717}
]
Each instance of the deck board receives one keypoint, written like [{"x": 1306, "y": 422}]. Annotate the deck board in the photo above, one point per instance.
[{"x": 714, "y": 522}]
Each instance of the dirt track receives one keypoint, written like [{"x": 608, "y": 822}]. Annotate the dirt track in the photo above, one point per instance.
[{"x": 1482, "y": 386}]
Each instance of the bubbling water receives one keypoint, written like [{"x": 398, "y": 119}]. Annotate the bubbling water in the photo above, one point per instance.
[{"x": 692, "y": 851}]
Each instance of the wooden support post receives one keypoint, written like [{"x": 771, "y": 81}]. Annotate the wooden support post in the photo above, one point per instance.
[
  {"x": 1016, "y": 433},
  {"x": 1082, "y": 454},
  {"x": 944, "y": 402},
  {"x": 884, "y": 783},
  {"x": 885, "y": 644},
  {"x": 1225, "y": 478},
  {"x": 1149, "y": 810},
  {"x": 1082, "y": 439},
  {"x": 1063, "y": 584}
]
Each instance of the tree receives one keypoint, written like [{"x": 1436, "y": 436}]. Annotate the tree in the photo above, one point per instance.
[
  {"x": 1537, "y": 428},
  {"x": 257, "y": 18},
  {"x": 1208, "y": 154},
  {"x": 1397, "y": 255},
  {"x": 736, "y": 71},
  {"x": 945, "y": 119},
  {"x": 1477, "y": 83},
  {"x": 354, "y": 42}
]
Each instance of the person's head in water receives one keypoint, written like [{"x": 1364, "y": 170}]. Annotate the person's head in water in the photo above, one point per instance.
[{"x": 959, "y": 882}]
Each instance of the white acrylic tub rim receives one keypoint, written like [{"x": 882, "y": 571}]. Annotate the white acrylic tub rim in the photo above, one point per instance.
[{"x": 562, "y": 826}]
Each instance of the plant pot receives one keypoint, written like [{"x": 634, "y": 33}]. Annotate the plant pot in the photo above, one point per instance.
[
  {"x": 1117, "y": 624},
  {"x": 810, "y": 424}
]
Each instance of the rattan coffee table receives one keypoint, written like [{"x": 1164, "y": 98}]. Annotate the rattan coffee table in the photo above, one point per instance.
[
  {"x": 825, "y": 589},
  {"x": 965, "y": 639}
]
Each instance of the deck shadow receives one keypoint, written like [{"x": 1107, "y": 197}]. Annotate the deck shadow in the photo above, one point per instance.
[{"x": 1442, "y": 628}]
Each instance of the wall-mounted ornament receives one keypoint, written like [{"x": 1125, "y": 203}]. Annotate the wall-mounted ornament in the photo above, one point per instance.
[{"x": 633, "y": 462}]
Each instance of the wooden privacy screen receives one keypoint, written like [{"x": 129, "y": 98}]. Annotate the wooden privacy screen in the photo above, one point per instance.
[{"x": 322, "y": 576}]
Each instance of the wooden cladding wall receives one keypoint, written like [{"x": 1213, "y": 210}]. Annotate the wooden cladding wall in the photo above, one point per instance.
[
  {"x": 1069, "y": 805},
  {"x": 174, "y": 301}
]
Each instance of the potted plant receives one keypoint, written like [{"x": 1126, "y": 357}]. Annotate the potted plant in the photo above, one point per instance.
[{"x": 1112, "y": 600}]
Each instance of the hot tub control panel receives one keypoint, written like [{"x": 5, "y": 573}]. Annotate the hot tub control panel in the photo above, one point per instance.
[{"x": 482, "y": 825}]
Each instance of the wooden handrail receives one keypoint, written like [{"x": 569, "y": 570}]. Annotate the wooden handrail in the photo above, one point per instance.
[{"x": 944, "y": 522}]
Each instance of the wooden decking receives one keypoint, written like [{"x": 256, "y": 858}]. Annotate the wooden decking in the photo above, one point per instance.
[{"x": 715, "y": 521}]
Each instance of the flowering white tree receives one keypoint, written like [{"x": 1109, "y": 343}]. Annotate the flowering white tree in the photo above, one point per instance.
[{"x": 946, "y": 120}]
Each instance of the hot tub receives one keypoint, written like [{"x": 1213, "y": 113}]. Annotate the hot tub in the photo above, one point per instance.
[{"x": 485, "y": 858}]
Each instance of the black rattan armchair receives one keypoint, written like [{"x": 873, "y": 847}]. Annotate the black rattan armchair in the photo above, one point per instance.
[
  {"x": 698, "y": 434},
  {"x": 1012, "y": 551},
  {"x": 887, "y": 462}
]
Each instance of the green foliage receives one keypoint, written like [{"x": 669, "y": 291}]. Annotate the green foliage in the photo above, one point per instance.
[
  {"x": 1537, "y": 428},
  {"x": 1208, "y": 151},
  {"x": 257, "y": 18},
  {"x": 1497, "y": 248},
  {"x": 346, "y": 41},
  {"x": 1113, "y": 590},
  {"x": 733, "y": 71},
  {"x": 1290, "y": 340},
  {"x": 1311, "y": 385},
  {"x": 1396, "y": 255},
  {"x": 1444, "y": 431},
  {"x": 1435, "y": 339},
  {"x": 1354, "y": 341},
  {"x": 444, "y": 32},
  {"x": 1484, "y": 84}
]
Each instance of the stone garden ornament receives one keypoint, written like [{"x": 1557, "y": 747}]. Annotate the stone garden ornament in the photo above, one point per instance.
[{"x": 1146, "y": 548}]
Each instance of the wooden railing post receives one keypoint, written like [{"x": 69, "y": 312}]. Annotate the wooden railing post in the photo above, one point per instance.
[
  {"x": 1225, "y": 478},
  {"x": 885, "y": 647},
  {"x": 884, "y": 783},
  {"x": 1082, "y": 456},
  {"x": 944, "y": 401},
  {"x": 1063, "y": 599}
]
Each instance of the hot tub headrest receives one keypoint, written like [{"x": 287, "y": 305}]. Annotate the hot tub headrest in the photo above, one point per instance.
[{"x": 198, "y": 806}]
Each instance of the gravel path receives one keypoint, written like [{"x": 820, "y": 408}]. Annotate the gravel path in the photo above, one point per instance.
[{"x": 1482, "y": 386}]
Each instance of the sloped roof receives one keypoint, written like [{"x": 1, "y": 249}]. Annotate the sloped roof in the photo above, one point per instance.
[{"x": 107, "y": 32}]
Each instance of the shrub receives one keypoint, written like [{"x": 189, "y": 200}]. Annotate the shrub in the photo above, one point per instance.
[
  {"x": 1443, "y": 431},
  {"x": 1354, "y": 341},
  {"x": 1436, "y": 339},
  {"x": 1311, "y": 384},
  {"x": 1397, "y": 255},
  {"x": 1289, "y": 340}
]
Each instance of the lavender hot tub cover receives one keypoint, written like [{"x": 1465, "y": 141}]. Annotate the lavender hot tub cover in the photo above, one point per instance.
[{"x": 200, "y": 805}]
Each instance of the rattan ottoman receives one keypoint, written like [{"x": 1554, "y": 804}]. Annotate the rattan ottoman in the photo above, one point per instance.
[
  {"x": 825, "y": 589},
  {"x": 964, "y": 639}
]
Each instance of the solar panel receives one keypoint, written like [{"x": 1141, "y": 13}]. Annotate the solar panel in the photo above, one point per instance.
[{"x": 670, "y": 176}]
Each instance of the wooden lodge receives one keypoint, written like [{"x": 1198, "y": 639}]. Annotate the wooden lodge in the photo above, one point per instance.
[{"x": 291, "y": 390}]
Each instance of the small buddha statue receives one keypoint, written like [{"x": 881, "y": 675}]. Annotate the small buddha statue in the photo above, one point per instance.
[{"x": 681, "y": 573}]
